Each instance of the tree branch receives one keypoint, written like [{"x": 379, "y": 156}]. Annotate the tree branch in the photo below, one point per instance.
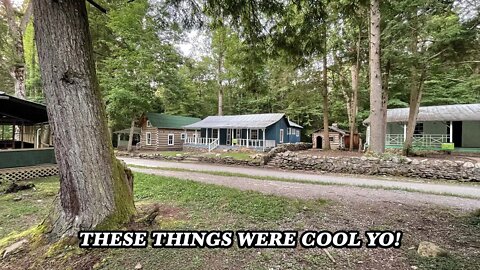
[
  {"x": 93, "y": 3},
  {"x": 26, "y": 17}
]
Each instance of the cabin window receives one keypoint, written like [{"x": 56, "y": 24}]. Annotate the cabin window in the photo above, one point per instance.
[
  {"x": 289, "y": 131},
  {"x": 149, "y": 124},
  {"x": 254, "y": 134},
  {"x": 171, "y": 139},
  {"x": 183, "y": 136},
  {"x": 281, "y": 135},
  {"x": 332, "y": 139},
  {"x": 418, "y": 128},
  {"x": 148, "y": 138},
  {"x": 214, "y": 133},
  {"x": 298, "y": 133}
]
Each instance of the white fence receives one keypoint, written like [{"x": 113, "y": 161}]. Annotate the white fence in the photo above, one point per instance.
[
  {"x": 422, "y": 140},
  {"x": 198, "y": 140},
  {"x": 239, "y": 142}
]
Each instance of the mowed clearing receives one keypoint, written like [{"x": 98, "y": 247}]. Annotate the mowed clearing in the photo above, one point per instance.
[{"x": 191, "y": 205}]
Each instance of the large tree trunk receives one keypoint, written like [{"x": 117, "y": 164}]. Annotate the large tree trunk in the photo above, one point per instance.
[
  {"x": 16, "y": 30},
  {"x": 415, "y": 98},
  {"x": 355, "y": 72},
  {"x": 326, "y": 133},
  {"x": 130, "y": 138},
  {"x": 95, "y": 190},
  {"x": 354, "y": 69},
  {"x": 219, "y": 81},
  {"x": 377, "y": 97}
]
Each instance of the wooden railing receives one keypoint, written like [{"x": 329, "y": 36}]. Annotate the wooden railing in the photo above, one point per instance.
[
  {"x": 422, "y": 140},
  {"x": 239, "y": 142},
  {"x": 213, "y": 145},
  {"x": 199, "y": 140}
]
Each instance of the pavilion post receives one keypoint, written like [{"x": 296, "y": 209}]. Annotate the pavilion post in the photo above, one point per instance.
[
  {"x": 248, "y": 136},
  {"x": 206, "y": 137},
  {"x": 451, "y": 132},
  {"x": 218, "y": 136},
  {"x": 118, "y": 140},
  {"x": 13, "y": 136},
  {"x": 404, "y": 132},
  {"x": 22, "y": 130},
  {"x": 196, "y": 136}
]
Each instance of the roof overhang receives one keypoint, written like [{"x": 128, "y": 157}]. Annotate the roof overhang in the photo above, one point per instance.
[
  {"x": 248, "y": 121},
  {"x": 444, "y": 113},
  {"x": 18, "y": 111}
]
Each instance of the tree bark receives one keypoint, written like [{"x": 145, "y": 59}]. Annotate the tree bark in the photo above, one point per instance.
[
  {"x": 355, "y": 70},
  {"x": 326, "y": 131},
  {"x": 130, "y": 138},
  {"x": 16, "y": 30},
  {"x": 415, "y": 98},
  {"x": 377, "y": 97},
  {"x": 95, "y": 188},
  {"x": 219, "y": 80}
]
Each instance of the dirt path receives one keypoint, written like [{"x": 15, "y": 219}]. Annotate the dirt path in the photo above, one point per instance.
[
  {"x": 345, "y": 194},
  {"x": 453, "y": 188}
]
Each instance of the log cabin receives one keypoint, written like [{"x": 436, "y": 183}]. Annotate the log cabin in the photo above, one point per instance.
[{"x": 163, "y": 132}]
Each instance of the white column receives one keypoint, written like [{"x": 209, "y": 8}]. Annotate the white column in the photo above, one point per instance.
[
  {"x": 206, "y": 137},
  {"x": 404, "y": 132},
  {"x": 451, "y": 132},
  {"x": 218, "y": 136},
  {"x": 247, "y": 137},
  {"x": 264, "y": 140},
  {"x": 196, "y": 136}
]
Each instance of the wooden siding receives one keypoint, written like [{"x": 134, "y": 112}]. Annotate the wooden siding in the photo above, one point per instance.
[
  {"x": 159, "y": 141},
  {"x": 335, "y": 144}
]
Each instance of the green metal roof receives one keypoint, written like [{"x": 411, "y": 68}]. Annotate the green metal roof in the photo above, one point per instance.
[{"x": 161, "y": 120}]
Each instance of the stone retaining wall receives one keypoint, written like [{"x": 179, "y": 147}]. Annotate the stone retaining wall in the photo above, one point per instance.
[
  {"x": 193, "y": 158},
  {"x": 394, "y": 166}
]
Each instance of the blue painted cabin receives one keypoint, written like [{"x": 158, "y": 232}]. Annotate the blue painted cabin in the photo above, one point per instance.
[{"x": 258, "y": 131}]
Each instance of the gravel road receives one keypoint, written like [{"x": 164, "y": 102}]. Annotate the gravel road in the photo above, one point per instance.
[{"x": 345, "y": 194}]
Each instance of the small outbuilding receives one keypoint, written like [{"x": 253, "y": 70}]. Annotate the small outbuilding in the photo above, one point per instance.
[
  {"x": 165, "y": 132},
  {"x": 123, "y": 137},
  {"x": 339, "y": 138}
]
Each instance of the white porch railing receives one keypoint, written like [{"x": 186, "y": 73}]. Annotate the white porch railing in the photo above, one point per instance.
[
  {"x": 198, "y": 140},
  {"x": 213, "y": 145},
  {"x": 239, "y": 142},
  {"x": 422, "y": 140}
]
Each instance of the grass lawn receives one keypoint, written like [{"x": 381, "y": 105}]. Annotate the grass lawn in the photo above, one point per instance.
[
  {"x": 234, "y": 155},
  {"x": 196, "y": 206}
]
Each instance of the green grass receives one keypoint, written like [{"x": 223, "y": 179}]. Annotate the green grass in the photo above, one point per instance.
[
  {"x": 290, "y": 180},
  {"x": 250, "y": 205},
  {"x": 198, "y": 206},
  {"x": 234, "y": 155},
  {"x": 16, "y": 216}
]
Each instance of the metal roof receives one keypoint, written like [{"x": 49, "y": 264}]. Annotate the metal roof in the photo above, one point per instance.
[
  {"x": 127, "y": 131},
  {"x": 293, "y": 124},
  {"x": 460, "y": 112},
  {"x": 334, "y": 129},
  {"x": 19, "y": 111},
  {"x": 238, "y": 121},
  {"x": 161, "y": 120}
]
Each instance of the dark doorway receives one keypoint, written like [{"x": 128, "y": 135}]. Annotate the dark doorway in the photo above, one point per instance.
[
  {"x": 457, "y": 133},
  {"x": 319, "y": 142}
]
